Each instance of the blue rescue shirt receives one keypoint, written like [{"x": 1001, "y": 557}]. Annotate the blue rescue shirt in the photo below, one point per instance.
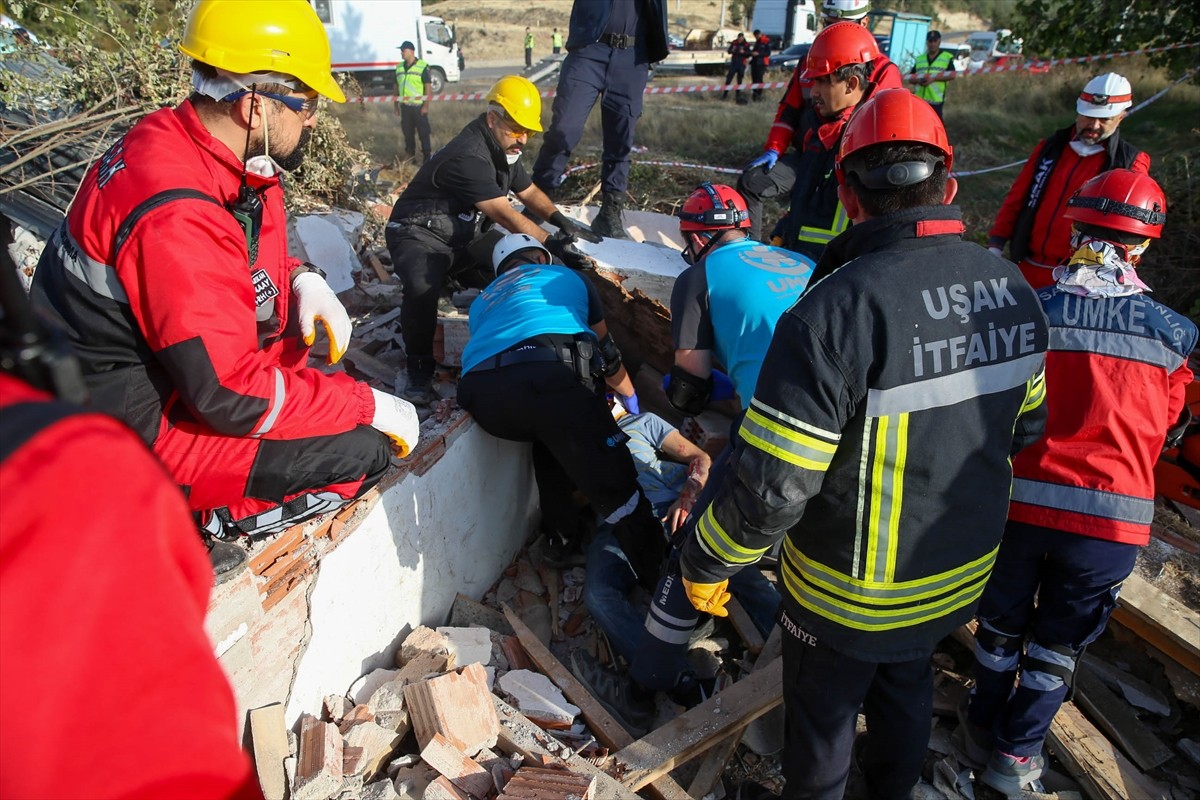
[
  {"x": 662, "y": 481},
  {"x": 527, "y": 301}
]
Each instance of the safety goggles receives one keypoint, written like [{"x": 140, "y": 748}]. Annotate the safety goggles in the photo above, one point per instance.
[
  {"x": 305, "y": 106},
  {"x": 513, "y": 128}
]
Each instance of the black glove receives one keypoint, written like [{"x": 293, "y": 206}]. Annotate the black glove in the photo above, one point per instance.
[
  {"x": 562, "y": 246},
  {"x": 575, "y": 229},
  {"x": 1175, "y": 432}
]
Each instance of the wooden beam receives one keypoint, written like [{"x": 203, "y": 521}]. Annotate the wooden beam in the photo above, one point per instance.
[
  {"x": 269, "y": 737},
  {"x": 745, "y": 627},
  {"x": 1103, "y": 771},
  {"x": 607, "y": 730},
  {"x": 701, "y": 728},
  {"x": 1122, "y": 725},
  {"x": 519, "y": 735},
  {"x": 1161, "y": 620}
]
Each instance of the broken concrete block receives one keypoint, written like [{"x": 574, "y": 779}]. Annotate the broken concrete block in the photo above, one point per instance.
[
  {"x": 410, "y": 782},
  {"x": 451, "y": 338},
  {"x": 377, "y": 743},
  {"x": 380, "y": 790},
  {"x": 423, "y": 641},
  {"x": 440, "y": 788},
  {"x": 455, "y": 765},
  {"x": 352, "y": 758},
  {"x": 387, "y": 704},
  {"x": 469, "y": 645},
  {"x": 357, "y": 715},
  {"x": 319, "y": 768},
  {"x": 425, "y": 665},
  {"x": 709, "y": 431},
  {"x": 352, "y": 788},
  {"x": 538, "y": 698},
  {"x": 325, "y": 245},
  {"x": 458, "y": 706},
  {"x": 362, "y": 689},
  {"x": 337, "y": 706}
]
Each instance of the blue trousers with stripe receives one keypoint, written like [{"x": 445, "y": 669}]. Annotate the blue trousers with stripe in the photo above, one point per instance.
[{"x": 1049, "y": 596}]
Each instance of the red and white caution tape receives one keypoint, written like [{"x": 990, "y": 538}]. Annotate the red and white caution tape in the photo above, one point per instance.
[{"x": 719, "y": 87}]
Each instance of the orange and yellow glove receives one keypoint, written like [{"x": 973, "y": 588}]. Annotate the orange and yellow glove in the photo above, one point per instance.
[{"x": 708, "y": 597}]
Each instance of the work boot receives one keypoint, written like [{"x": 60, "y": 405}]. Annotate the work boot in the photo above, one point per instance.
[
  {"x": 631, "y": 706},
  {"x": 227, "y": 559},
  {"x": 1010, "y": 775},
  {"x": 608, "y": 222},
  {"x": 419, "y": 390}
]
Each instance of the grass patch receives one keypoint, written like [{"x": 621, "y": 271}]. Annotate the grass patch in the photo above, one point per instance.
[{"x": 991, "y": 120}]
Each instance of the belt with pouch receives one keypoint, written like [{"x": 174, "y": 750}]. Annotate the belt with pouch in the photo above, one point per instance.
[{"x": 618, "y": 41}]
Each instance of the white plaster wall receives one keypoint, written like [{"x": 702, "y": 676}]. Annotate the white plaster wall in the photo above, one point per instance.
[{"x": 430, "y": 537}]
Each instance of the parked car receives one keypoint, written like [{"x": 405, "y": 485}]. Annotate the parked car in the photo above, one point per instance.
[
  {"x": 788, "y": 59},
  {"x": 674, "y": 42}
]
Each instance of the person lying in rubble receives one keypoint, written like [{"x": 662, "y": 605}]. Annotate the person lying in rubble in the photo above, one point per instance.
[
  {"x": 672, "y": 472},
  {"x": 534, "y": 370},
  {"x": 171, "y": 279}
]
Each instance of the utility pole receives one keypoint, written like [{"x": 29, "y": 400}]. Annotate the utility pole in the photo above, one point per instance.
[{"x": 722, "y": 13}]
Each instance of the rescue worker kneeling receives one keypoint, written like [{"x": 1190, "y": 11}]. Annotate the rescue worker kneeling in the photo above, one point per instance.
[
  {"x": 539, "y": 356},
  {"x": 441, "y": 219}
]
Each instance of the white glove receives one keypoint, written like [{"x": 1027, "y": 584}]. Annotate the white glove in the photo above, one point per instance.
[
  {"x": 996, "y": 251},
  {"x": 318, "y": 302},
  {"x": 397, "y": 418}
]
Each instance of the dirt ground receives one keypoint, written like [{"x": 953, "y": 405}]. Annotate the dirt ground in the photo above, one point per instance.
[{"x": 1171, "y": 569}]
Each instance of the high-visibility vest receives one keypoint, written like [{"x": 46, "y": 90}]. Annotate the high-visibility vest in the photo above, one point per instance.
[
  {"x": 410, "y": 84},
  {"x": 935, "y": 92},
  {"x": 529, "y": 41},
  {"x": 555, "y": 40}
]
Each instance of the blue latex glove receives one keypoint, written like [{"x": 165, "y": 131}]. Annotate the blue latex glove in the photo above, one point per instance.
[
  {"x": 766, "y": 161},
  {"x": 631, "y": 404},
  {"x": 722, "y": 386}
]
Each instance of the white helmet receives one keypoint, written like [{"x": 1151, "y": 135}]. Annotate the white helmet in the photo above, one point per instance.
[
  {"x": 515, "y": 243},
  {"x": 846, "y": 9},
  {"x": 1105, "y": 96}
]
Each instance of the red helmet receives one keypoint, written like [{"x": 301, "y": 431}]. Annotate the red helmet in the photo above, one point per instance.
[
  {"x": 840, "y": 44},
  {"x": 713, "y": 207},
  {"x": 1122, "y": 200},
  {"x": 894, "y": 115}
]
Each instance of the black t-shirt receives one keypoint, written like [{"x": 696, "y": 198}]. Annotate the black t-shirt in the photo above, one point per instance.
[{"x": 691, "y": 321}]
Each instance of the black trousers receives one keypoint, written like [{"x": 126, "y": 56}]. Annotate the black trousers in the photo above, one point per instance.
[
  {"x": 758, "y": 71},
  {"x": 823, "y": 691},
  {"x": 414, "y": 124},
  {"x": 576, "y": 442}
]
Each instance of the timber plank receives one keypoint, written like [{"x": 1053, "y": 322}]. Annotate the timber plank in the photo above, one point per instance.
[
  {"x": 1115, "y": 718},
  {"x": 607, "y": 730},
  {"x": 1161, "y": 620},
  {"x": 745, "y": 627},
  {"x": 1103, "y": 771},
  {"x": 701, "y": 728}
]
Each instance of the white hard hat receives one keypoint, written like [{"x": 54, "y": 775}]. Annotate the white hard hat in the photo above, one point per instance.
[
  {"x": 846, "y": 9},
  {"x": 1105, "y": 96},
  {"x": 515, "y": 243}
]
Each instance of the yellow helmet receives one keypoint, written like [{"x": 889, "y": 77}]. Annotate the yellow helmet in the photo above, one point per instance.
[
  {"x": 520, "y": 99},
  {"x": 245, "y": 36}
]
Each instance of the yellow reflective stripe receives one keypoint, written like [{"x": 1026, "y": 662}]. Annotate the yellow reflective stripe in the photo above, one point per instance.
[
  {"x": 1035, "y": 391},
  {"x": 886, "y": 592},
  {"x": 721, "y": 545},
  {"x": 897, "y": 494},
  {"x": 785, "y": 443},
  {"x": 832, "y": 436},
  {"x": 817, "y": 235},
  {"x": 859, "y": 619},
  {"x": 877, "y": 465}
]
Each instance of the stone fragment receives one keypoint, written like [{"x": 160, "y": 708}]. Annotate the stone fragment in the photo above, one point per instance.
[
  {"x": 423, "y": 640},
  {"x": 538, "y": 698},
  {"x": 362, "y": 689},
  {"x": 469, "y": 645},
  {"x": 377, "y": 743}
]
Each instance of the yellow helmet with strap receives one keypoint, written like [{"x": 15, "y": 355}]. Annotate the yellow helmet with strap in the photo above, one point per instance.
[
  {"x": 520, "y": 100},
  {"x": 244, "y": 36}
]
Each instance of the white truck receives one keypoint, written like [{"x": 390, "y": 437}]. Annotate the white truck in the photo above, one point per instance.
[
  {"x": 786, "y": 22},
  {"x": 365, "y": 37}
]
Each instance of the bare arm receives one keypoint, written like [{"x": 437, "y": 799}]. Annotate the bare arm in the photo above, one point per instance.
[
  {"x": 500, "y": 211},
  {"x": 677, "y": 448},
  {"x": 619, "y": 381},
  {"x": 697, "y": 362},
  {"x": 537, "y": 201}
]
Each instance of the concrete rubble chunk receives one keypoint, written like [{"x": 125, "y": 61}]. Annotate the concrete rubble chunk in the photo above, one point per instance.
[
  {"x": 425, "y": 665},
  {"x": 410, "y": 782},
  {"x": 454, "y": 764},
  {"x": 387, "y": 704},
  {"x": 337, "y": 706},
  {"x": 538, "y": 698},
  {"x": 377, "y": 743},
  {"x": 362, "y": 689},
  {"x": 423, "y": 640},
  {"x": 469, "y": 645},
  {"x": 538, "y": 783},
  {"x": 357, "y": 715},
  {"x": 319, "y": 765},
  {"x": 380, "y": 790},
  {"x": 325, "y": 245},
  {"x": 458, "y": 706}
]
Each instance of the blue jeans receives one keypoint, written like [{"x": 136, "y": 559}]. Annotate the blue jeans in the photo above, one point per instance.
[
  {"x": 1049, "y": 596},
  {"x": 610, "y": 579}
]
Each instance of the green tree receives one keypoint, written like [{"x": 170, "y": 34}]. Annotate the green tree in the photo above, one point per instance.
[{"x": 1062, "y": 28}]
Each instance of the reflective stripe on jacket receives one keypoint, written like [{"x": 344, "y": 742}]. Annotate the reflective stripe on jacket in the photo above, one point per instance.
[{"x": 878, "y": 440}]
